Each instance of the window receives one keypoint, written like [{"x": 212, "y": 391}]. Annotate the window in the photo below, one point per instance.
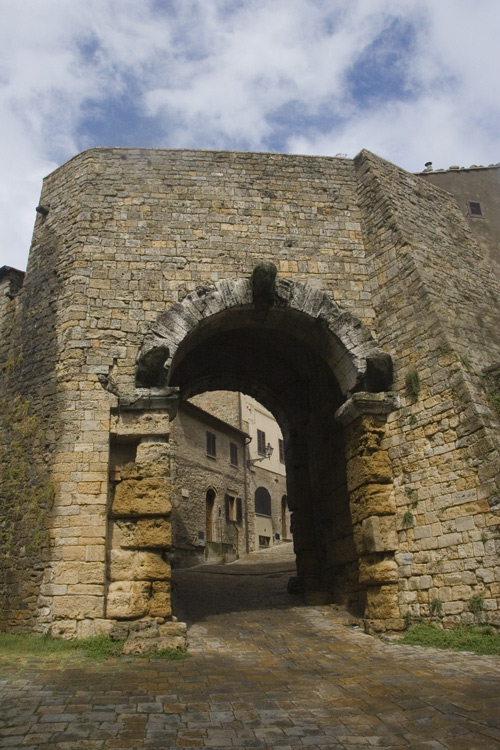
[
  {"x": 262, "y": 502},
  {"x": 233, "y": 508},
  {"x": 233, "y": 454},
  {"x": 261, "y": 442},
  {"x": 239, "y": 510},
  {"x": 264, "y": 541},
  {"x": 475, "y": 210},
  {"x": 211, "y": 449},
  {"x": 281, "y": 446},
  {"x": 229, "y": 507}
]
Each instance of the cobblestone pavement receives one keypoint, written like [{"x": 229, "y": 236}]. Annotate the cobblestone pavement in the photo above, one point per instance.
[{"x": 265, "y": 672}]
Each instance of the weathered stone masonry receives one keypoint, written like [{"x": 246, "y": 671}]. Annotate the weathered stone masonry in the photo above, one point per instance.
[{"x": 395, "y": 496}]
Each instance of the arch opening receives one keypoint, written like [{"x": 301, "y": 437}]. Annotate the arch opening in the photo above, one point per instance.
[{"x": 302, "y": 359}]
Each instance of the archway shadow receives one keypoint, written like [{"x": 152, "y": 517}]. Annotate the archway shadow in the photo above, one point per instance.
[{"x": 243, "y": 586}]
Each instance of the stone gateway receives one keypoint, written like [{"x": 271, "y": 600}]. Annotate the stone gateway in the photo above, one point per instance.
[{"x": 349, "y": 297}]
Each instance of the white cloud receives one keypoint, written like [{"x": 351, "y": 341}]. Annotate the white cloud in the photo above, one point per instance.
[{"x": 223, "y": 74}]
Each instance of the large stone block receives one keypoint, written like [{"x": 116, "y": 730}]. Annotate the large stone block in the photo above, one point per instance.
[
  {"x": 143, "y": 533},
  {"x": 376, "y": 534},
  {"x": 151, "y": 645},
  {"x": 128, "y": 565},
  {"x": 142, "y": 497},
  {"x": 365, "y": 434},
  {"x": 63, "y": 629},
  {"x": 373, "y": 570},
  {"x": 372, "y": 500},
  {"x": 382, "y": 602},
  {"x": 140, "y": 423},
  {"x": 75, "y": 572},
  {"x": 153, "y": 458},
  {"x": 173, "y": 629},
  {"x": 78, "y": 607},
  {"x": 160, "y": 605},
  {"x": 128, "y": 599},
  {"x": 373, "y": 468}
]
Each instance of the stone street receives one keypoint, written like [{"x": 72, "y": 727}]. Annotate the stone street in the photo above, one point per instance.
[{"x": 265, "y": 671}]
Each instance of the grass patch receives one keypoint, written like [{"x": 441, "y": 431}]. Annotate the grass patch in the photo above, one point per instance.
[
  {"x": 26, "y": 644},
  {"x": 480, "y": 639},
  {"x": 97, "y": 648}
]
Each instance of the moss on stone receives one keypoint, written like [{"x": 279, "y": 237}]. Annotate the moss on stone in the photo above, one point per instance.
[{"x": 26, "y": 492}]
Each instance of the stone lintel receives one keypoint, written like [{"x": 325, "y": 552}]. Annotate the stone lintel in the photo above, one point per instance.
[
  {"x": 379, "y": 404},
  {"x": 167, "y": 399}
]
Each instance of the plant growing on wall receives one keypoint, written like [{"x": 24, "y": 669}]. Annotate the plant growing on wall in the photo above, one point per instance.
[
  {"x": 412, "y": 382},
  {"x": 436, "y": 607},
  {"x": 408, "y": 519},
  {"x": 492, "y": 384},
  {"x": 476, "y": 605}
]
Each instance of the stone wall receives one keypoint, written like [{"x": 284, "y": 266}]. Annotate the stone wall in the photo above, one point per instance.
[
  {"x": 129, "y": 232},
  {"x": 26, "y": 490},
  {"x": 195, "y": 473},
  {"x": 435, "y": 301}
]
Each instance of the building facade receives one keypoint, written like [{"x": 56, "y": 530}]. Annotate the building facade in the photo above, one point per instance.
[
  {"x": 263, "y": 461},
  {"x": 477, "y": 192},
  {"x": 267, "y": 475},
  {"x": 348, "y": 297},
  {"x": 210, "y": 516}
]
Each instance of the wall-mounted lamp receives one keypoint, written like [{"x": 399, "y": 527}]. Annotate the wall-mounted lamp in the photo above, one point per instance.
[{"x": 269, "y": 452}]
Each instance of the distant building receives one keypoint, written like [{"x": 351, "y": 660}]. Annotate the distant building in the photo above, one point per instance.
[
  {"x": 267, "y": 475},
  {"x": 209, "y": 503},
  {"x": 230, "y": 479},
  {"x": 477, "y": 190}
]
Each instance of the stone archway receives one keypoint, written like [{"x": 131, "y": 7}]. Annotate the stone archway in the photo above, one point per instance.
[{"x": 326, "y": 380}]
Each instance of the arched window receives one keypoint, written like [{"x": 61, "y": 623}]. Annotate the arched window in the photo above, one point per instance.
[{"x": 262, "y": 502}]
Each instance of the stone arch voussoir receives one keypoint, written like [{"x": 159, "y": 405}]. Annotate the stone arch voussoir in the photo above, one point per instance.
[{"x": 356, "y": 358}]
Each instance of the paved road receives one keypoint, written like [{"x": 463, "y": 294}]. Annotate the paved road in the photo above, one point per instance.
[{"x": 265, "y": 672}]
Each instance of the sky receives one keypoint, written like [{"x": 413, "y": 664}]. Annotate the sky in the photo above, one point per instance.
[{"x": 411, "y": 80}]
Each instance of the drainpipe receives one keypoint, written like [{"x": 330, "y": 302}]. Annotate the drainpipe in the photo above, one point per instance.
[{"x": 245, "y": 477}]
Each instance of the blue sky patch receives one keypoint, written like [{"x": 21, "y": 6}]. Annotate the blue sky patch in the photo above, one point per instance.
[
  {"x": 295, "y": 119},
  {"x": 383, "y": 72},
  {"x": 118, "y": 122}
]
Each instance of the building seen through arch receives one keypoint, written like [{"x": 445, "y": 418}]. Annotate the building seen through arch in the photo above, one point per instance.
[{"x": 218, "y": 469}]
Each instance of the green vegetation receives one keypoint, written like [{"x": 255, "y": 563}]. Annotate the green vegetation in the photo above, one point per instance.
[
  {"x": 411, "y": 494},
  {"x": 413, "y": 420},
  {"x": 476, "y": 605},
  {"x": 412, "y": 382},
  {"x": 24, "y": 477},
  {"x": 408, "y": 519},
  {"x": 407, "y": 619},
  {"x": 98, "y": 648},
  {"x": 476, "y": 638},
  {"x": 492, "y": 384},
  {"x": 436, "y": 607}
]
